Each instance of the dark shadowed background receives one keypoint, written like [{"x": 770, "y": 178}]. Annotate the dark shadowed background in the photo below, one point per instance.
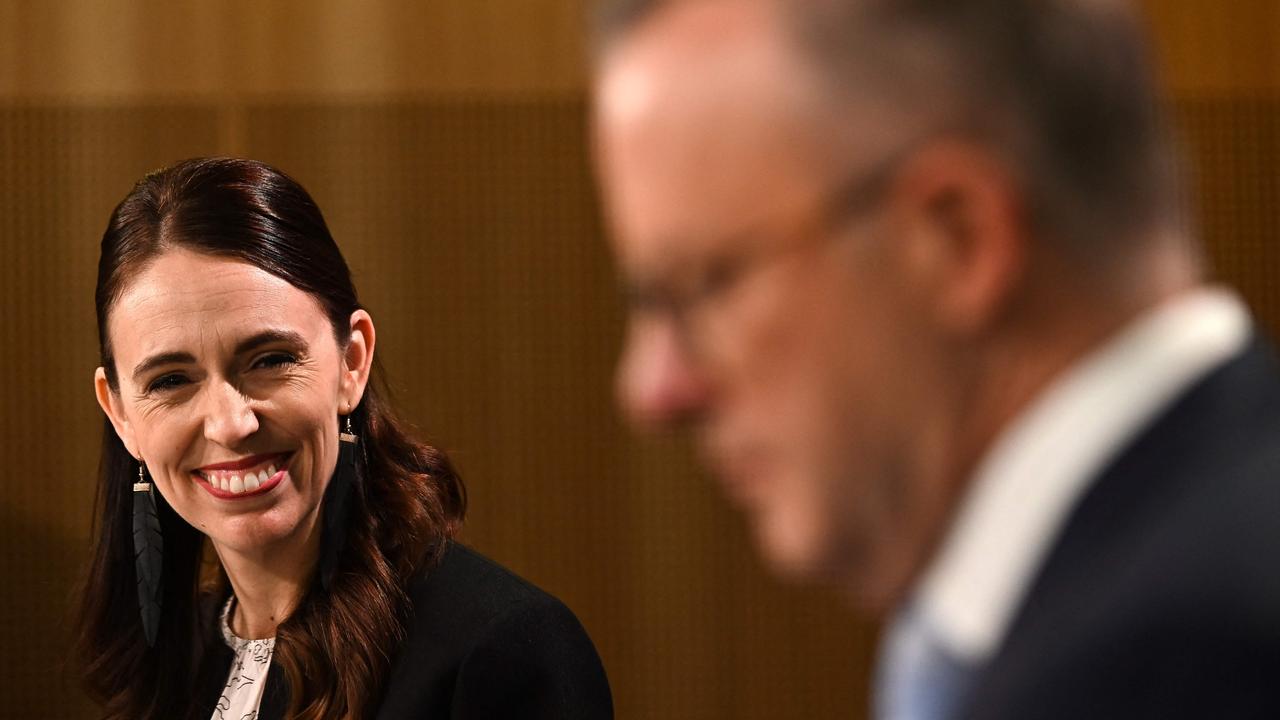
[{"x": 445, "y": 141}]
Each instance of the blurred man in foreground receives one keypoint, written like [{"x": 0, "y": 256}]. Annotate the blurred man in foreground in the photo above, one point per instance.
[{"x": 914, "y": 273}]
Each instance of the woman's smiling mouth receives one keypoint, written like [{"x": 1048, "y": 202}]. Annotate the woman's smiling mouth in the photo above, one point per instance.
[{"x": 244, "y": 478}]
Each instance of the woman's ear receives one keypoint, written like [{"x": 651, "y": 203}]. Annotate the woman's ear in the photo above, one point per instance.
[
  {"x": 109, "y": 401},
  {"x": 357, "y": 360}
]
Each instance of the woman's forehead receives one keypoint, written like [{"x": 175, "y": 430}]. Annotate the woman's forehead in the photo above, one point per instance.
[{"x": 193, "y": 298}]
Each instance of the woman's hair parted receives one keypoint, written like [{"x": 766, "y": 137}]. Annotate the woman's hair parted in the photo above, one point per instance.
[{"x": 335, "y": 647}]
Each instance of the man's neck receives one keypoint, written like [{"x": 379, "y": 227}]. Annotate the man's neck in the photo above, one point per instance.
[
  {"x": 1064, "y": 322},
  {"x": 1052, "y": 327}
]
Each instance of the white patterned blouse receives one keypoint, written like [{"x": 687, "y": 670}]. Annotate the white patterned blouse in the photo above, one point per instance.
[{"x": 248, "y": 677}]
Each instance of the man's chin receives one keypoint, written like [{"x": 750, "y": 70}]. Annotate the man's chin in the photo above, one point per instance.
[
  {"x": 793, "y": 552},
  {"x": 802, "y": 555}
]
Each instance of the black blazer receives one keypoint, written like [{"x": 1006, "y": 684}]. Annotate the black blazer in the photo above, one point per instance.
[
  {"x": 1161, "y": 597},
  {"x": 482, "y": 643}
]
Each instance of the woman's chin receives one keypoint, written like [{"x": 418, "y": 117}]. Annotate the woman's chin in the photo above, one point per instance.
[{"x": 251, "y": 534}]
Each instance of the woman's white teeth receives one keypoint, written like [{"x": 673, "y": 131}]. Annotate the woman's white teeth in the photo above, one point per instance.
[{"x": 238, "y": 484}]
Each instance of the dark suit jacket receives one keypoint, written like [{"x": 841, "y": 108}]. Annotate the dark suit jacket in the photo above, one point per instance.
[
  {"x": 1161, "y": 597},
  {"x": 482, "y": 643}
]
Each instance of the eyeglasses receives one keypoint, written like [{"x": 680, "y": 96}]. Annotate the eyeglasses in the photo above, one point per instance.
[{"x": 693, "y": 299}]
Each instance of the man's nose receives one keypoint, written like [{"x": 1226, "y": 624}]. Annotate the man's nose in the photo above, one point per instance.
[
  {"x": 229, "y": 417},
  {"x": 659, "y": 382}
]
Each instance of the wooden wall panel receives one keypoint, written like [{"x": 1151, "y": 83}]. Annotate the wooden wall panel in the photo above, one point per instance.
[
  {"x": 1212, "y": 49},
  {"x": 137, "y": 49},
  {"x": 1234, "y": 150}
]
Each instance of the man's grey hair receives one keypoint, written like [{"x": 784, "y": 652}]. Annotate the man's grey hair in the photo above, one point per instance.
[{"x": 1063, "y": 90}]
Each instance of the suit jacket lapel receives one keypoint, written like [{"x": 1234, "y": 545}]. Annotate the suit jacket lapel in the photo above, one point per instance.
[
  {"x": 1216, "y": 420},
  {"x": 275, "y": 697}
]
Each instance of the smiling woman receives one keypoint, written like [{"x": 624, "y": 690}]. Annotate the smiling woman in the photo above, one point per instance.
[{"x": 244, "y": 415}]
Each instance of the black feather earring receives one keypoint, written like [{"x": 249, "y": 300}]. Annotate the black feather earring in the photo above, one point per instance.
[
  {"x": 337, "y": 506},
  {"x": 148, "y": 555}
]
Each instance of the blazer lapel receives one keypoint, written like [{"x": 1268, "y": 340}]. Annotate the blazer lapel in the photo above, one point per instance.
[
  {"x": 275, "y": 697},
  {"x": 1222, "y": 419}
]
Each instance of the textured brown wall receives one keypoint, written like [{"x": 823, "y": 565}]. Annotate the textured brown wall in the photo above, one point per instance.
[{"x": 444, "y": 141}]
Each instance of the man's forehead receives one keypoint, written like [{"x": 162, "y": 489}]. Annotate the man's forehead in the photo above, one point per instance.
[
  {"x": 683, "y": 93},
  {"x": 704, "y": 78},
  {"x": 692, "y": 135},
  {"x": 687, "y": 46},
  {"x": 701, "y": 19}
]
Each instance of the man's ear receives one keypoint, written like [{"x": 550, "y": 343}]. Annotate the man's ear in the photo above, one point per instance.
[
  {"x": 111, "y": 404},
  {"x": 357, "y": 361},
  {"x": 966, "y": 236}
]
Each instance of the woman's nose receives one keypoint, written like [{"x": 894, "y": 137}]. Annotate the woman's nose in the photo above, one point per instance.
[{"x": 229, "y": 416}]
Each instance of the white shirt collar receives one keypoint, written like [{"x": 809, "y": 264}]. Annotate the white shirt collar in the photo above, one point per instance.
[{"x": 1048, "y": 456}]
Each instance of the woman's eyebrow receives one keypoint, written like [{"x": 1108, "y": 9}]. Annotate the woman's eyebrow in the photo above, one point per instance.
[
  {"x": 164, "y": 358},
  {"x": 267, "y": 337}
]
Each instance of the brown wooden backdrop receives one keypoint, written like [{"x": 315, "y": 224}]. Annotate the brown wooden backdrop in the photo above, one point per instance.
[{"x": 445, "y": 141}]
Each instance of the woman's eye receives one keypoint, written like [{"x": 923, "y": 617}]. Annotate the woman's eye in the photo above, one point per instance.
[
  {"x": 275, "y": 360},
  {"x": 167, "y": 382}
]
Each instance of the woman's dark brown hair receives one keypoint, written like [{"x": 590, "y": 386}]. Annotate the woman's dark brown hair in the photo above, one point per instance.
[{"x": 336, "y": 646}]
